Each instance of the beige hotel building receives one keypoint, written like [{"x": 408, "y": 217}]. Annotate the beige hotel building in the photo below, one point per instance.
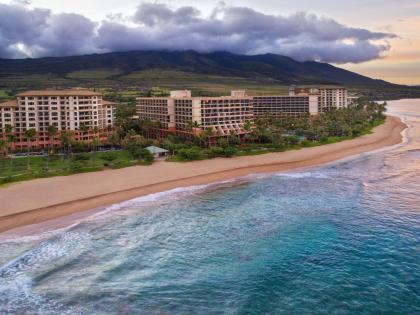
[
  {"x": 328, "y": 97},
  {"x": 82, "y": 112},
  {"x": 182, "y": 113}
]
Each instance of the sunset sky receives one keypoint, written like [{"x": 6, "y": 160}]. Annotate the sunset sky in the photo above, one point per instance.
[{"x": 378, "y": 38}]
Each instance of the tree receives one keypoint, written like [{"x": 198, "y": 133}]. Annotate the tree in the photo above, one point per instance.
[
  {"x": 134, "y": 142},
  {"x": 114, "y": 139},
  {"x": 11, "y": 139},
  {"x": 52, "y": 132},
  {"x": 143, "y": 154},
  {"x": 247, "y": 126},
  {"x": 189, "y": 126},
  {"x": 3, "y": 147},
  {"x": 145, "y": 127},
  {"x": 95, "y": 144},
  {"x": 3, "y": 150},
  {"x": 233, "y": 137},
  {"x": 30, "y": 136},
  {"x": 83, "y": 128},
  {"x": 208, "y": 133},
  {"x": 66, "y": 140}
]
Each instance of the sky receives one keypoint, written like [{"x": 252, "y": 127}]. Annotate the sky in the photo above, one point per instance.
[{"x": 380, "y": 39}]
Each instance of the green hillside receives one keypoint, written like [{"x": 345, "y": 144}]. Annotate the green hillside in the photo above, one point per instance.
[{"x": 133, "y": 73}]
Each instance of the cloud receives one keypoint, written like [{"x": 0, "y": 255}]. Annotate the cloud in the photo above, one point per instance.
[{"x": 39, "y": 32}]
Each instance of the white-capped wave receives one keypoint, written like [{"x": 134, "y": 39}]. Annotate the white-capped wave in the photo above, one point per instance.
[
  {"x": 173, "y": 194},
  {"x": 316, "y": 174},
  {"x": 16, "y": 293},
  {"x": 46, "y": 252}
]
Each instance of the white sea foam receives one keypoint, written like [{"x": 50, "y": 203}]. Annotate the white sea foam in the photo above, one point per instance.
[
  {"x": 315, "y": 174},
  {"x": 62, "y": 246},
  {"x": 173, "y": 194},
  {"x": 16, "y": 292}
]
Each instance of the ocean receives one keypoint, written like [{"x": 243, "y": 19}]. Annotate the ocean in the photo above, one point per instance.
[{"x": 338, "y": 239}]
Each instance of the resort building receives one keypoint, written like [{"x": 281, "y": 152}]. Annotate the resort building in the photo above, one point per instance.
[
  {"x": 329, "y": 97},
  {"x": 280, "y": 106},
  {"x": 81, "y": 112},
  {"x": 182, "y": 113}
]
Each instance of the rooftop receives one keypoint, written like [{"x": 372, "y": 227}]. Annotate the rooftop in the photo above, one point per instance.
[
  {"x": 13, "y": 103},
  {"x": 156, "y": 150},
  {"x": 321, "y": 86},
  {"x": 68, "y": 92},
  {"x": 104, "y": 102}
]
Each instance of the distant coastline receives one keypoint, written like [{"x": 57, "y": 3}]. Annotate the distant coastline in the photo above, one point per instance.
[{"x": 49, "y": 198}]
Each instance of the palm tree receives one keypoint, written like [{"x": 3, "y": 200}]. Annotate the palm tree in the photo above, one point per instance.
[
  {"x": 3, "y": 150},
  {"x": 3, "y": 147},
  {"x": 247, "y": 126},
  {"x": 52, "y": 131},
  {"x": 8, "y": 128},
  {"x": 65, "y": 139},
  {"x": 84, "y": 129},
  {"x": 95, "y": 144},
  {"x": 190, "y": 126},
  {"x": 11, "y": 138},
  {"x": 208, "y": 133},
  {"x": 114, "y": 139},
  {"x": 145, "y": 126},
  {"x": 30, "y": 136}
]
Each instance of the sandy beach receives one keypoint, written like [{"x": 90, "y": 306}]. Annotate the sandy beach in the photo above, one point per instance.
[{"x": 45, "y": 199}]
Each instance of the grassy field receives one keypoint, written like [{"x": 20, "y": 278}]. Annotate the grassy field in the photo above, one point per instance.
[
  {"x": 4, "y": 95},
  {"x": 93, "y": 74},
  {"x": 131, "y": 85},
  {"x": 13, "y": 170}
]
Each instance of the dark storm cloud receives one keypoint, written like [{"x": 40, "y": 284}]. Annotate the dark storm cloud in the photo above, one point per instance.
[{"x": 38, "y": 32}]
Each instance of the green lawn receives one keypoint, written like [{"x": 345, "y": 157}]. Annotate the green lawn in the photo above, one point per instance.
[{"x": 12, "y": 170}]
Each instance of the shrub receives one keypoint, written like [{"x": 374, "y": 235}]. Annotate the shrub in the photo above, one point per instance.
[
  {"x": 223, "y": 142},
  {"x": 323, "y": 139},
  {"x": 134, "y": 142},
  {"x": 190, "y": 154},
  {"x": 215, "y": 152},
  {"x": 76, "y": 167},
  {"x": 229, "y": 151},
  {"x": 143, "y": 154},
  {"x": 81, "y": 157},
  {"x": 293, "y": 140},
  {"x": 109, "y": 156},
  {"x": 306, "y": 143},
  {"x": 79, "y": 146}
]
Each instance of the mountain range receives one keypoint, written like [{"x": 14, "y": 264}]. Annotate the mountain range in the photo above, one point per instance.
[{"x": 275, "y": 68}]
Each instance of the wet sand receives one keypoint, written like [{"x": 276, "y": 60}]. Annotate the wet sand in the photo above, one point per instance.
[{"x": 45, "y": 199}]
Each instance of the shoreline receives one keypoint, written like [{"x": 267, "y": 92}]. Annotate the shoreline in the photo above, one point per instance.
[{"x": 41, "y": 200}]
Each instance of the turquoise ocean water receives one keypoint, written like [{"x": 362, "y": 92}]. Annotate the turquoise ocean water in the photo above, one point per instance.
[{"x": 337, "y": 239}]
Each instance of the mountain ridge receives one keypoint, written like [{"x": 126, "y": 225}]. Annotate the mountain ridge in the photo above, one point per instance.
[{"x": 279, "y": 69}]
